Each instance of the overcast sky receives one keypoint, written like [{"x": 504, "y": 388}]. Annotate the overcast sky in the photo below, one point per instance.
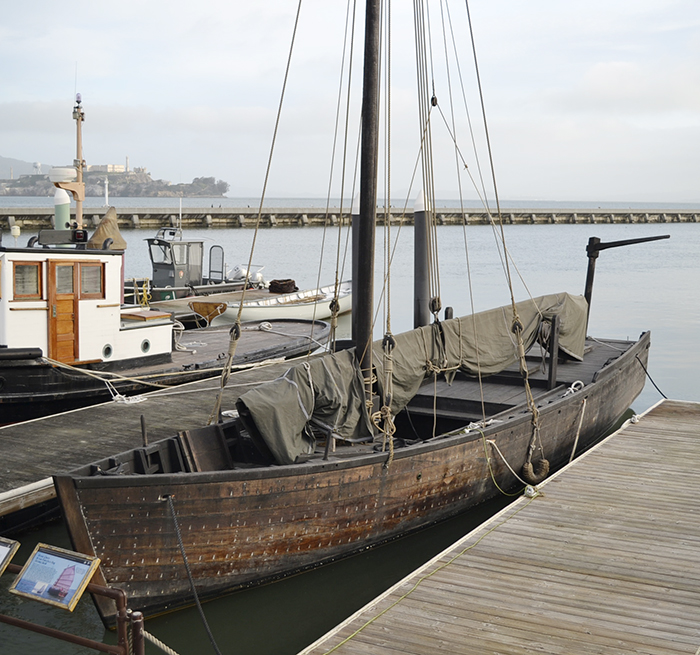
[{"x": 585, "y": 99}]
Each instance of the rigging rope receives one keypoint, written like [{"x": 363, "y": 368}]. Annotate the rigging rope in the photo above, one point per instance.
[
  {"x": 426, "y": 101},
  {"x": 334, "y": 305},
  {"x": 234, "y": 336},
  {"x": 236, "y": 330},
  {"x": 531, "y": 473},
  {"x": 457, "y": 154},
  {"x": 383, "y": 420}
]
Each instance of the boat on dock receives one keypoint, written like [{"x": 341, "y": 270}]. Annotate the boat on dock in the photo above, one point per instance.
[
  {"x": 275, "y": 491},
  {"x": 67, "y": 340},
  {"x": 178, "y": 286},
  {"x": 360, "y": 446},
  {"x": 178, "y": 271},
  {"x": 306, "y": 304}
]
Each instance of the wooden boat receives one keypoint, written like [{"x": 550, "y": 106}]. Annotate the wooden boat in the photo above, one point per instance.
[
  {"x": 246, "y": 517},
  {"x": 178, "y": 271},
  {"x": 306, "y": 473},
  {"x": 309, "y": 304},
  {"x": 69, "y": 342}
]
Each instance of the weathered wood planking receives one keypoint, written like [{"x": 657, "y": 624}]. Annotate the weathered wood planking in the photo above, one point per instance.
[
  {"x": 606, "y": 561},
  {"x": 34, "y": 450}
]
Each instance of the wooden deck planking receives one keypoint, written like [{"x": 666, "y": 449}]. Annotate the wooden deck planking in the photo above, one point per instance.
[
  {"x": 568, "y": 371},
  {"x": 34, "y": 450},
  {"x": 607, "y": 560}
]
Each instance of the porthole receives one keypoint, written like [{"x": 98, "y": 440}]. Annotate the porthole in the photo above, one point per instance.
[
  {"x": 107, "y": 351},
  {"x": 145, "y": 346}
]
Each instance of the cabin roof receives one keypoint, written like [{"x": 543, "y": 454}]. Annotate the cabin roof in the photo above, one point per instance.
[{"x": 82, "y": 252}]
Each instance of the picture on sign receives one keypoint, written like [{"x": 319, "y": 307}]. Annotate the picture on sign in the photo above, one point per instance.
[
  {"x": 55, "y": 576},
  {"x": 8, "y": 547}
]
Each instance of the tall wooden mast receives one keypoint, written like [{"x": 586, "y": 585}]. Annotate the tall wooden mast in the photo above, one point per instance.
[{"x": 363, "y": 285}]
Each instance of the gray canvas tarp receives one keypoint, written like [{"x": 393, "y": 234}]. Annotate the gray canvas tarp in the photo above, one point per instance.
[
  {"x": 328, "y": 393},
  {"x": 482, "y": 342}
]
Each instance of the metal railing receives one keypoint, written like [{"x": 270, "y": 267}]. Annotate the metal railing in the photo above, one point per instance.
[{"x": 125, "y": 618}]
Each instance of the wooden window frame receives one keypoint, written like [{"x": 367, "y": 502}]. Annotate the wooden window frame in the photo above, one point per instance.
[
  {"x": 91, "y": 296},
  {"x": 40, "y": 276}
]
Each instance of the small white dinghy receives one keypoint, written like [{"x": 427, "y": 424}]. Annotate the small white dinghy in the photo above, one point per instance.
[{"x": 307, "y": 304}]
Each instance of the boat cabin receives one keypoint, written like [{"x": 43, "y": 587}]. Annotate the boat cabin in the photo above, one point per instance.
[
  {"x": 178, "y": 262},
  {"x": 66, "y": 300}
]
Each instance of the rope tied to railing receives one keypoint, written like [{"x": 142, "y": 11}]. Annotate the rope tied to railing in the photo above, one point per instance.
[{"x": 157, "y": 642}]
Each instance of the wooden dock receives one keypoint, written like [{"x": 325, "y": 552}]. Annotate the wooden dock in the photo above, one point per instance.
[
  {"x": 153, "y": 218},
  {"x": 32, "y": 451},
  {"x": 606, "y": 560}
]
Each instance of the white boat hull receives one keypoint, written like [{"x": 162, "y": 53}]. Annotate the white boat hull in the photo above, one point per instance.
[{"x": 308, "y": 304}]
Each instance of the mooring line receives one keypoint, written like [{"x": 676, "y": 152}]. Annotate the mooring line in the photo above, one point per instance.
[
  {"x": 157, "y": 642},
  {"x": 650, "y": 379},
  {"x": 171, "y": 504}
]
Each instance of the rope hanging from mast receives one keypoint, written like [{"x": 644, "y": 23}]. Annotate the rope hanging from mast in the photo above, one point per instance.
[
  {"x": 236, "y": 329},
  {"x": 348, "y": 43},
  {"x": 530, "y": 474},
  {"x": 427, "y": 100}
]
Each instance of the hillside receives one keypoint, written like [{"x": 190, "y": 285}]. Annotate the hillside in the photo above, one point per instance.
[{"x": 15, "y": 167}]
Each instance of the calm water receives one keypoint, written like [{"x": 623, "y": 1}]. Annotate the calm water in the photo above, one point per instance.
[{"x": 652, "y": 286}]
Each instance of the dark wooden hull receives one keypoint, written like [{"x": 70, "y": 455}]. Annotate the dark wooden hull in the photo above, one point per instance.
[
  {"x": 247, "y": 525},
  {"x": 31, "y": 387}
]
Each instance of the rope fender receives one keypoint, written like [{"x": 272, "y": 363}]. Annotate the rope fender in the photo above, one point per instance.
[{"x": 535, "y": 474}]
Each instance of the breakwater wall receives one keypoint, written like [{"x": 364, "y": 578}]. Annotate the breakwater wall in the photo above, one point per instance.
[{"x": 218, "y": 217}]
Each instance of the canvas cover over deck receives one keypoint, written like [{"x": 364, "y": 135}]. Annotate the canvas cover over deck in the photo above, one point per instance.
[{"x": 328, "y": 392}]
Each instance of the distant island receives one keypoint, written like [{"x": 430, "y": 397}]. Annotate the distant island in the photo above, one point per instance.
[{"x": 121, "y": 185}]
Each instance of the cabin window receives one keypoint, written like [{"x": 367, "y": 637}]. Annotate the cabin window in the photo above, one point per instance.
[
  {"x": 160, "y": 253},
  {"x": 180, "y": 253},
  {"x": 92, "y": 280},
  {"x": 64, "y": 279},
  {"x": 27, "y": 281}
]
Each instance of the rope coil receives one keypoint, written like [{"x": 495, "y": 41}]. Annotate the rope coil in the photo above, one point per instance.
[{"x": 383, "y": 420}]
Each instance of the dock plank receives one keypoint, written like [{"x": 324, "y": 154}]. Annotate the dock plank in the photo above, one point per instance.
[
  {"x": 606, "y": 560},
  {"x": 32, "y": 451}
]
